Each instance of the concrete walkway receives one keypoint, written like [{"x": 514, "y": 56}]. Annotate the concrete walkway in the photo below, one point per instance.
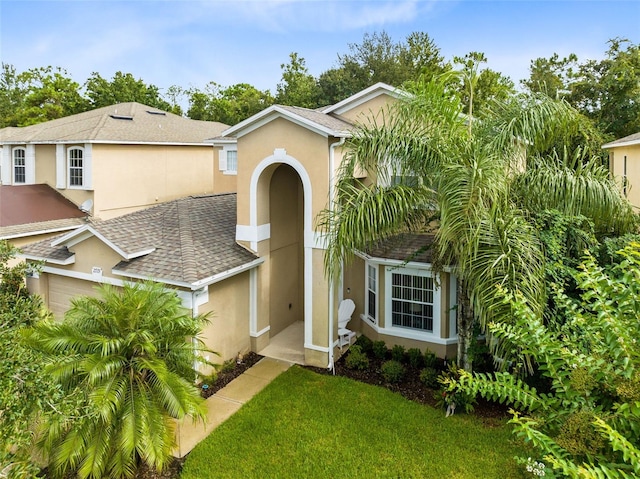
[{"x": 226, "y": 401}]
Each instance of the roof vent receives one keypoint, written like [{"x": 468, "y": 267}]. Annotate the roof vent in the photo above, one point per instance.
[
  {"x": 121, "y": 117},
  {"x": 157, "y": 113}
]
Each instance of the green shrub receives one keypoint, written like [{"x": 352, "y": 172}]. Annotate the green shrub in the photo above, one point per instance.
[
  {"x": 365, "y": 343},
  {"x": 356, "y": 358},
  {"x": 392, "y": 371},
  {"x": 228, "y": 365},
  {"x": 397, "y": 353},
  {"x": 415, "y": 358},
  {"x": 450, "y": 394},
  {"x": 430, "y": 359},
  {"x": 429, "y": 377},
  {"x": 379, "y": 349}
]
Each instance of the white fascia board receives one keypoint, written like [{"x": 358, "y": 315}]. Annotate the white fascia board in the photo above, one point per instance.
[
  {"x": 85, "y": 232},
  {"x": 397, "y": 262},
  {"x": 70, "y": 260},
  {"x": 198, "y": 284},
  {"x": 615, "y": 144},
  {"x": 221, "y": 142},
  {"x": 40, "y": 232},
  {"x": 274, "y": 112},
  {"x": 363, "y": 96}
]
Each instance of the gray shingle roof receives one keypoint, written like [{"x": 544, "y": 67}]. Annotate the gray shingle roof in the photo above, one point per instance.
[
  {"x": 627, "y": 140},
  {"x": 332, "y": 122},
  {"x": 122, "y": 123},
  {"x": 414, "y": 247},
  {"x": 192, "y": 239}
]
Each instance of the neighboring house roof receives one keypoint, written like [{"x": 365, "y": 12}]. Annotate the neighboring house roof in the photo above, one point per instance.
[
  {"x": 187, "y": 242},
  {"x": 626, "y": 141},
  {"x": 408, "y": 247},
  {"x": 122, "y": 123},
  {"x": 28, "y": 210}
]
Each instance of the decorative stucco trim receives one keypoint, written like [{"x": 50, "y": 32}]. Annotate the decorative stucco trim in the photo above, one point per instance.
[
  {"x": 409, "y": 334},
  {"x": 260, "y": 333},
  {"x": 253, "y": 234}
]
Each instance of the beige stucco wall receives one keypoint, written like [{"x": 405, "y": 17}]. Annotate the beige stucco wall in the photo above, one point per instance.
[
  {"x": 127, "y": 178},
  {"x": 46, "y": 164},
  {"x": 228, "y": 330},
  {"x": 368, "y": 110},
  {"x": 616, "y": 166},
  {"x": 223, "y": 182},
  {"x": 307, "y": 147}
]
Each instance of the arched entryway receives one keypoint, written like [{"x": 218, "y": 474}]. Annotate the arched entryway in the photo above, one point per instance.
[
  {"x": 280, "y": 196},
  {"x": 286, "y": 249}
]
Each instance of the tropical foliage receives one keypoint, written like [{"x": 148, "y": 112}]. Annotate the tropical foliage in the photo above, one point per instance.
[
  {"x": 433, "y": 162},
  {"x": 585, "y": 422},
  {"x": 26, "y": 394},
  {"x": 128, "y": 352}
]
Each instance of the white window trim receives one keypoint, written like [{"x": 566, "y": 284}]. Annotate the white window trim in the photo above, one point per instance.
[
  {"x": 437, "y": 305},
  {"x": 376, "y": 291},
  {"x": 14, "y": 150},
  {"x": 222, "y": 159},
  {"x": 86, "y": 167}
]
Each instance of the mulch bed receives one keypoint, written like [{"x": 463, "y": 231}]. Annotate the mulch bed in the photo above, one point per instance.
[
  {"x": 229, "y": 373},
  {"x": 412, "y": 388}
]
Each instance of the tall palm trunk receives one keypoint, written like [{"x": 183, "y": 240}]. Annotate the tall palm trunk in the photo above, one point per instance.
[{"x": 465, "y": 323}]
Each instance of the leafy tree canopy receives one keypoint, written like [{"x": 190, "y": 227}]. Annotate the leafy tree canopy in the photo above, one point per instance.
[
  {"x": 228, "y": 105},
  {"x": 122, "y": 88}
]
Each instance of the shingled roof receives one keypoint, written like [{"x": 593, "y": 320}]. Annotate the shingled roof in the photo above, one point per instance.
[
  {"x": 188, "y": 242},
  {"x": 409, "y": 247},
  {"x": 122, "y": 123},
  {"x": 626, "y": 141}
]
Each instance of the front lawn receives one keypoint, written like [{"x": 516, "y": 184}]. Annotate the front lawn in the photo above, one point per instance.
[{"x": 310, "y": 425}]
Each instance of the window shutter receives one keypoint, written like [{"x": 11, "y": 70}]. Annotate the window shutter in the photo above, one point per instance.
[
  {"x": 222, "y": 154},
  {"x": 87, "y": 173},
  {"x": 5, "y": 165},
  {"x": 61, "y": 170},
  {"x": 30, "y": 163}
]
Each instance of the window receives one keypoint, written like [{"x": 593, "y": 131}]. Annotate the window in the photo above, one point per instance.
[
  {"x": 75, "y": 158},
  {"x": 372, "y": 292},
  {"x": 232, "y": 161},
  {"x": 19, "y": 165},
  {"x": 412, "y": 301},
  {"x": 228, "y": 160}
]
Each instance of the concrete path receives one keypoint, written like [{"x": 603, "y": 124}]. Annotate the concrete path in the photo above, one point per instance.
[{"x": 226, "y": 401}]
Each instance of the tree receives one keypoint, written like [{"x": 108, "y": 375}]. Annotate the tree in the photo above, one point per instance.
[
  {"x": 49, "y": 93},
  {"x": 379, "y": 59},
  {"x": 228, "y": 105},
  {"x": 298, "y": 87},
  {"x": 12, "y": 93},
  {"x": 585, "y": 423},
  {"x": 26, "y": 394},
  {"x": 123, "y": 88},
  {"x": 606, "y": 91},
  {"x": 550, "y": 76},
  {"x": 129, "y": 352},
  {"x": 465, "y": 177}
]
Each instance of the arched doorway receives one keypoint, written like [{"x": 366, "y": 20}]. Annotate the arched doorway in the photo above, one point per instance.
[{"x": 286, "y": 249}]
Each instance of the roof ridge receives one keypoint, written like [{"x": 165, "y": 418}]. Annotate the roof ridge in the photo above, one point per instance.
[{"x": 187, "y": 248}]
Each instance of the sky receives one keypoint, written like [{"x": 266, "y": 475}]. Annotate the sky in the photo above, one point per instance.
[{"x": 190, "y": 43}]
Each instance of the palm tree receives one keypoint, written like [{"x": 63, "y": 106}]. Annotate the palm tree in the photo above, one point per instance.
[
  {"x": 471, "y": 176},
  {"x": 129, "y": 353}
]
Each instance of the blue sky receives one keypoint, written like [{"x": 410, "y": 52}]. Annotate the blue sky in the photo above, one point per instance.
[{"x": 190, "y": 43}]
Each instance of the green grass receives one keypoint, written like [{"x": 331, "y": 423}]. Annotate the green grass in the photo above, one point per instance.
[{"x": 306, "y": 425}]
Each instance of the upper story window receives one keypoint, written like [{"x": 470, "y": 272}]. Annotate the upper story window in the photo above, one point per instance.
[
  {"x": 228, "y": 160},
  {"x": 19, "y": 165},
  {"x": 75, "y": 160}
]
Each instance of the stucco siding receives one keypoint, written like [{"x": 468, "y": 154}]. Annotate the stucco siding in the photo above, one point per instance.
[{"x": 617, "y": 168}]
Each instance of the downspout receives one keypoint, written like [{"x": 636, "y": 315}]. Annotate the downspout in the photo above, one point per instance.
[{"x": 332, "y": 148}]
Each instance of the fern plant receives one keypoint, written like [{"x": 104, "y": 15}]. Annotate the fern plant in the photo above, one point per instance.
[{"x": 588, "y": 424}]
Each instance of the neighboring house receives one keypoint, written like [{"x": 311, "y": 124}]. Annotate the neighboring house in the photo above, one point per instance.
[
  {"x": 117, "y": 159},
  {"x": 624, "y": 163},
  {"x": 284, "y": 160}
]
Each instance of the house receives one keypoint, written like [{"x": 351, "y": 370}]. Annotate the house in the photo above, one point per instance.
[
  {"x": 624, "y": 163},
  {"x": 115, "y": 160},
  {"x": 284, "y": 162}
]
